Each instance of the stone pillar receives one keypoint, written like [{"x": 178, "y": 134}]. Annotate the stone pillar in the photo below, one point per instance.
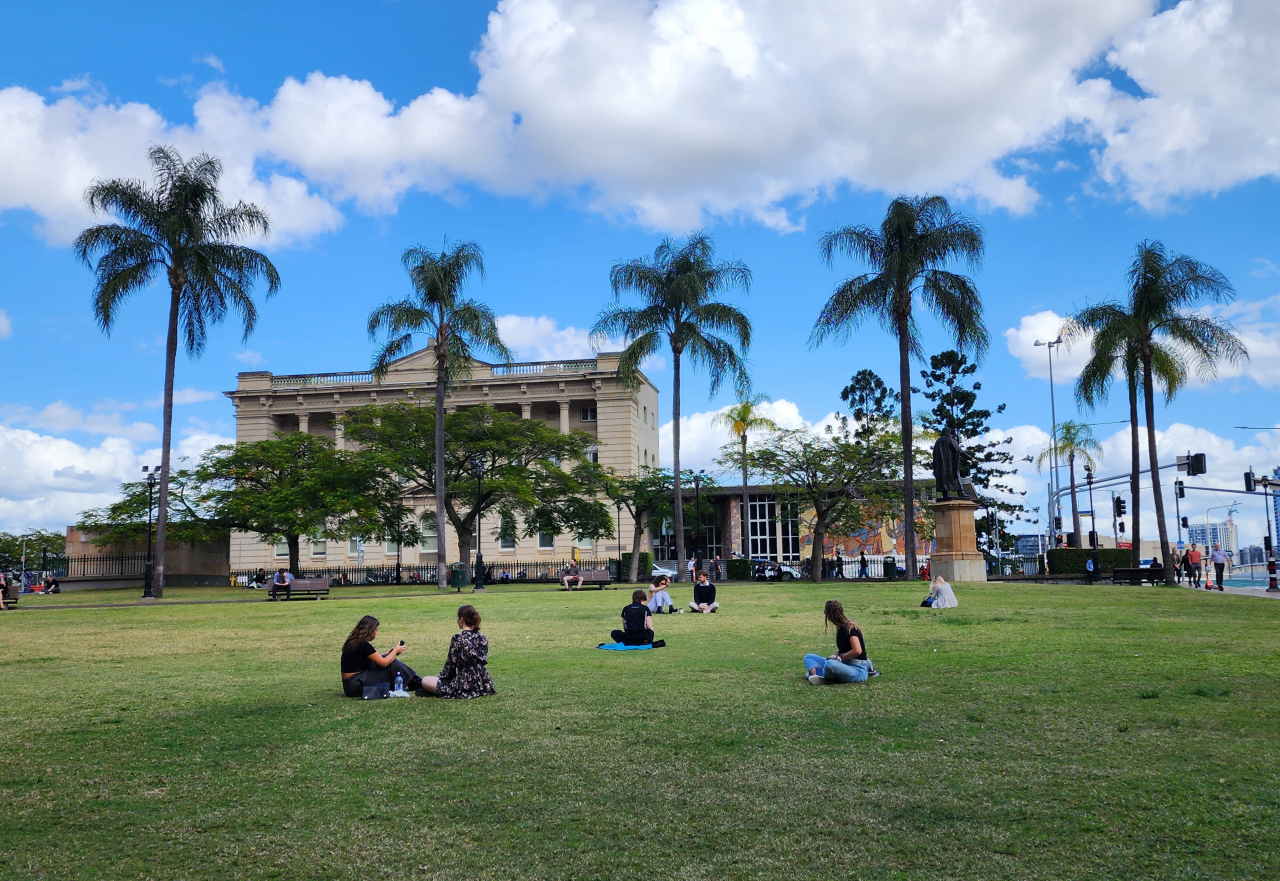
[
  {"x": 564, "y": 416},
  {"x": 734, "y": 529},
  {"x": 957, "y": 557},
  {"x": 339, "y": 442},
  {"x": 304, "y": 423},
  {"x": 526, "y": 410}
]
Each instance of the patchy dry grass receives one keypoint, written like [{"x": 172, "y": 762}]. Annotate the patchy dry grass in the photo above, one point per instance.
[{"x": 1018, "y": 736}]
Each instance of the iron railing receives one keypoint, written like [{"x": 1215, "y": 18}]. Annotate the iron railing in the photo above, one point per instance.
[
  {"x": 525, "y": 368},
  {"x": 498, "y": 572},
  {"x": 104, "y": 565},
  {"x": 363, "y": 377}
]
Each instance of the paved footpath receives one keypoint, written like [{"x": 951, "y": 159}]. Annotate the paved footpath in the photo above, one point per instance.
[{"x": 1242, "y": 587}]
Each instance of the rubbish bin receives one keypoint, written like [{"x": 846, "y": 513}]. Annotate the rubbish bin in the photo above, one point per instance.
[
  {"x": 890, "y": 565},
  {"x": 457, "y": 576}
]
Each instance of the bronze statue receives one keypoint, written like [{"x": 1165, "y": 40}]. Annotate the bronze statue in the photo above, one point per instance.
[{"x": 946, "y": 465}]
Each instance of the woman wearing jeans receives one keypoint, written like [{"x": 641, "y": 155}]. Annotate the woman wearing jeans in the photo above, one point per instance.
[{"x": 850, "y": 662}]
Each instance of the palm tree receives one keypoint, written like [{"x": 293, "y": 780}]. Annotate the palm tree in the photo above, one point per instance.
[
  {"x": 678, "y": 289},
  {"x": 743, "y": 417},
  {"x": 1114, "y": 351},
  {"x": 181, "y": 228},
  {"x": 1172, "y": 339},
  {"x": 1075, "y": 441},
  {"x": 918, "y": 238},
  {"x": 458, "y": 326}
]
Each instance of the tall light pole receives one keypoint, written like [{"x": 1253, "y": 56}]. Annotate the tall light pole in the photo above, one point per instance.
[
  {"x": 477, "y": 464},
  {"x": 1208, "y": 530},
  {"x": 147, "y": 593},
  {"x": 1053, "y": 415},
  {"x": 697, "y": 518}
]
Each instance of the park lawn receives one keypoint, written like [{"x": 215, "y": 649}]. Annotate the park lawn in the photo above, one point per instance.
[{"x": 1050, "y": 732}]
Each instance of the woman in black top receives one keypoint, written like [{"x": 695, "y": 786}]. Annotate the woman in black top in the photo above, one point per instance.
[
  {"x": 362, "y": 664},
  {"x": 850, "y": 662}
]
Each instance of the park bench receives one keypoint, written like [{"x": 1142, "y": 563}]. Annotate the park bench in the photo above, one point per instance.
[
  {"x": 10, "y": 602},
  {"x": 302, "y": 588},
  {"x": 1136, "y": 576},
  {"x": 592, "y": 579}
]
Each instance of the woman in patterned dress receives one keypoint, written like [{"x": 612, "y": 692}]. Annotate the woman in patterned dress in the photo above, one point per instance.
[{"x": 464, "y": 674}]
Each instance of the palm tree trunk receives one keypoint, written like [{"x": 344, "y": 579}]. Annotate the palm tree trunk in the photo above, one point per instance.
[
  {"x": 1148, "y": 392},
  {"x": 1075, "y": 506},
  {"x": 442, "y": 576},
  {"x": 633, "y": 571},
  {"x": 1135, "y": 556},
  {"x": 176, "y": 283},
  {"x": 675, "y": 456},
  {"x": 743, "y": 512},
  {"x": 908, "y": 454}
]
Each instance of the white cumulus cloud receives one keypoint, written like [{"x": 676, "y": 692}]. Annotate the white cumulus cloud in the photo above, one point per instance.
[
  {"x": 6, "y": 325},
  {"x": 1045, "y": 326},
  {"x": 539, "y": 338},
  {"x": 700, "y": 439}
]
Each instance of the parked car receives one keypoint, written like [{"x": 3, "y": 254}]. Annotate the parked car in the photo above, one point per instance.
[
  {"x": 668, "y": 571},
  {"x": 789, "y": 573}
]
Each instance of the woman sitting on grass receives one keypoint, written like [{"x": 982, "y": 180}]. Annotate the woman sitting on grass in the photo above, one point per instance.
[
  {"x": 362, "y": 664},
  {"x": 637, "y": 623},
  {"x": 850, "y": 662},
  {"x": 941, "y": 596},
  {"x": 465, "y": 674}
]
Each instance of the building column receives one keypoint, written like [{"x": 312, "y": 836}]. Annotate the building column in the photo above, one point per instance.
[
  {"x": 526, "y": 411},
  {"x": 564, "y": 416},
  {"x": 304, "y": 423},
  {"x": 339, "y": 442}
]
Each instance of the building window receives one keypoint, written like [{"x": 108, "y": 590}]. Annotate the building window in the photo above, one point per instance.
[
  {"x": 790, "y": 529},
  {"x": 588, "y": 414},
  {"x": 353, "y": 547},
  {"x": 546, "y": 541},
  {"x": 391, "y": 548},
  {"x": 428, "y": 545},
  {"x": 282, "y": 549},
  {"x": 593, "y": 456},
  {"x": 505, "y": 543},
  {"x": 710, "y": 537},
  {"x": 585, "y": 544},
  {"x": 761, "y": 514},
  {"x": 318, "y": 547},
  {"x": 646, "y": 415}
]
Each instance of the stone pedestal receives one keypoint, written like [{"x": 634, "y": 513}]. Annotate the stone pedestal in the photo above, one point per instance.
[{"x": 957, "y": 557}]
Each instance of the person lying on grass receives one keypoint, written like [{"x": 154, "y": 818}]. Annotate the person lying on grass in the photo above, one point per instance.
[
  {"x": 637, "y": 623},
  {"x": 850, "y": 662},
  {"x": 362, "y": 664},
  {"x": 658, "y": 596},
  {"x": 704, "y": 595},
  {"x": 465, "y": 673}
]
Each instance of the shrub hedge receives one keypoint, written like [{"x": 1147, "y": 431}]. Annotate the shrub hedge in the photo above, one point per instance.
[
  {"x": 1070, "y": 561},
  {"x": 738, "y": 570},
  {"x": 643, "y": 571}
]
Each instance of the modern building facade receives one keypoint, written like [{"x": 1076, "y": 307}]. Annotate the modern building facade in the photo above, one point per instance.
[
  {"x": 1222, "y": 533},
  {"x": 583, "y": 395}
]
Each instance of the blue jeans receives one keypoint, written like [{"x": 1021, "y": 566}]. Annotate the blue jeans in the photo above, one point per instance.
[{"x": 838, "y": 671}]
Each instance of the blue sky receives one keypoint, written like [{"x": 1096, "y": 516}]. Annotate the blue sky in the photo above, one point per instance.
[{"x": 565, "y": 134}]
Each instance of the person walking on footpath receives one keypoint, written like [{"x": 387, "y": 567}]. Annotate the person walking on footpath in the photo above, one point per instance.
[
  {"x": 1193, "y": 565},
  {"x": 1219, "y": 559}
]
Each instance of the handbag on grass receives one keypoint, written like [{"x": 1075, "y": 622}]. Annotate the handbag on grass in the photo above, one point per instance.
[{"x": 377, "y": 691}]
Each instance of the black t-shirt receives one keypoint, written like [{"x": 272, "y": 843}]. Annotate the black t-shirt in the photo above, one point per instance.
[
  {"x": 356, "y": 658},
  {"x": 845, "y": 644},
  {"x": 633, "y": 618},
  {"x": 704, "y": 593}
]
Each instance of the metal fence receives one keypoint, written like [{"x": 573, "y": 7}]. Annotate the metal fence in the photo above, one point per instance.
[
  {"x": 1016, "y": 564},
  {"x": 101, "y": 565},
  {"x": 503, "y": 572}
]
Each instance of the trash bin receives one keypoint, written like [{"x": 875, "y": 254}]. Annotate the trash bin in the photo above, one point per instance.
[
  {"x": 890, "y": 569},
  {"x": 457, "y": 576}
]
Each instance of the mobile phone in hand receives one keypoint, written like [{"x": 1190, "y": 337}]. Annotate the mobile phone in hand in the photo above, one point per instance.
[{"x": 402, "y": 642}]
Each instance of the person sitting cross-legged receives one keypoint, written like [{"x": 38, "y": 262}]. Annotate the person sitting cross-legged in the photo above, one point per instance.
[
  {"x": 659, "y": 599},
  {"x": 850, "y": 662},
  {"x": 704, "y": 595},
  {"x": 637, "y": 624}
]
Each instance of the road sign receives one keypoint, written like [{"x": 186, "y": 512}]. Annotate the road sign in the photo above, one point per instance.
[{"x": 1180, "y": 544}]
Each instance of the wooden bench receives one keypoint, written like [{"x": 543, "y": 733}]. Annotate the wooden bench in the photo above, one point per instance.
[
  {"x": 1137, "y": 576},
  {"x": 10, "y": 602},
  {"x": 592, "y": 579},
  {"x": 302, "y": 588}
]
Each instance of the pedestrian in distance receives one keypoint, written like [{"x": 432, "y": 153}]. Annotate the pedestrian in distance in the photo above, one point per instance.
[
  {"x": 1193, "y": 560},
  {"x": 1219, "y": 559}
]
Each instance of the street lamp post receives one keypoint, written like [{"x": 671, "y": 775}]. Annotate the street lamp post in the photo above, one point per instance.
[
  {"x": 617, "y": 524},
  {"x": 1208, "y": 531},
  {"x": 697, "y": 519},
  {"x": 1053, "y": 415},
  {"x": 147, "y": 593},
  {"x": 478, "y": 466},
  {"x": 1266, "y": 485}
]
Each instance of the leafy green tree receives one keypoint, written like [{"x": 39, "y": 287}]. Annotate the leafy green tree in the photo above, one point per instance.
[
  {"x": 873, "y": 404},
  {"x": 646, "y": 495},
  {"x": 1114, "y": 352},
  {"x": 678, "y": 289},
  {"x": 847, "y": 482},
  {"x": 523, "y": 460},
  {"x": 1075, "y": 441},
  {"x": 124, "y": 521},
  {"x": 743, "y": 418},
  {"x": 987, "y": 463},
  {"x": 179, "y": 228},
  {"x": 298, "y": 484},
  {"x": 908, "y": 256},
  {"x": 458, "y": 327},
  {"x": 38, "y": 542}
]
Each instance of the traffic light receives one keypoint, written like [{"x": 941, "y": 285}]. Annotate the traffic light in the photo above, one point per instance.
[
  {"x": 1057, "y": 524},
  {"x": 1179, "y": 489},
  {"x": 1122, "y": 527},
  {"x": 1249, "y": 484},
  {"x": 1093, "y": 539},
  {"x": 1184, "y": 523},
  {"x": 1121, "y": 507},
  {"x": 1196, "y": 464}
]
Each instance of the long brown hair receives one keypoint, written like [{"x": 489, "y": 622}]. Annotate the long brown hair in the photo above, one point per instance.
[
  {"x": 470, "y": 617},
  {"x": 364, "y": 630},
  {"x": 833, "y": 613}
]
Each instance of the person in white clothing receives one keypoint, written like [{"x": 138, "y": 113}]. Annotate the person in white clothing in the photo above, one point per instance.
[
  {"x": 1219, "y": 559},
  {"x": 941, "y": 594},
  {"x": 658, "y": 596}
]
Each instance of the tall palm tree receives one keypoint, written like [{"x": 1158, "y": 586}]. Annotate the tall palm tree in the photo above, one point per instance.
[
  {"x": 1173, "y": 339},
  {"x": 181, "y": 228},
  {"x": 908, "y": 255},
  {"x": 1114, "y": 352},
  {"x": 1075, "y": 441},
  {"x": 678, "y": 289},
  {"x": 742, "y": 418},
  {"x": 457, "y": 326}
]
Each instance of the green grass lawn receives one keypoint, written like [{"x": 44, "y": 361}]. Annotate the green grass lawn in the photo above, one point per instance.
[{"x": 1035, "y": 732}]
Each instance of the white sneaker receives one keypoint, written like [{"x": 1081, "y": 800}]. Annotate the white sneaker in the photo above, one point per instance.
[{"x": 815, "y": 679}]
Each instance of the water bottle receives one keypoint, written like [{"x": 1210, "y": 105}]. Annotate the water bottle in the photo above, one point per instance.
[{"x": 399, "y": 683}]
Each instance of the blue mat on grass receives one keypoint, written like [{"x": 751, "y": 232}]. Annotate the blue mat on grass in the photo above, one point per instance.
[{"x": 622, "y": 647}]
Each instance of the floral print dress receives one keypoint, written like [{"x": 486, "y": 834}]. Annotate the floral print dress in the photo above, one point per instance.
[{"x": 464, "y": 673}]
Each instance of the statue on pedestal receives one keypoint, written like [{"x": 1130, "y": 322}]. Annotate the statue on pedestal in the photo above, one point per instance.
[{"x": 946, "y": 465}]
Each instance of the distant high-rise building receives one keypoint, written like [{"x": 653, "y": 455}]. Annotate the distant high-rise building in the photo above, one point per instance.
[{"x": 1222, "y": 533}]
